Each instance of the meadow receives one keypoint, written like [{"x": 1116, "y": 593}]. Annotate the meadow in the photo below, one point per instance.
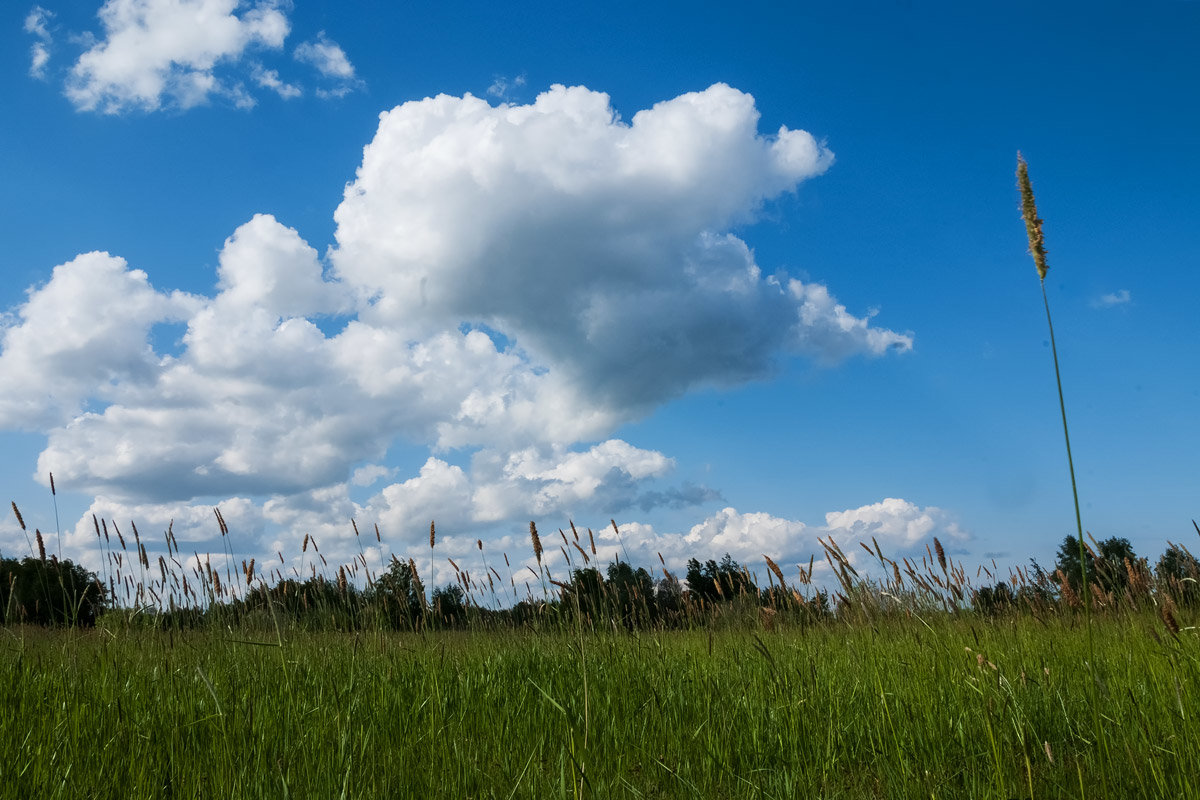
[
  {"x": 914, "y": 685},
  {"x": 895, "y": 678}
]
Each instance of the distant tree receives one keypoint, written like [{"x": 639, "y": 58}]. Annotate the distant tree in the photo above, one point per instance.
[
  {"x": 1106, "y": 567},
  {"x": 449, "y": 605},
  {"x": 994, "y": 600},
  {"x": 716, "y": 582},
  {"x": 1115, "y": 551},
  {"x": 668, "y": 596},
  {"x": 47, "y": 591},
  {"x": 397, "y": 597},
  {"x": 1178, "y": 572},
  {"x": 631, "y": 593},
  {"x": 588, "y": 594}
]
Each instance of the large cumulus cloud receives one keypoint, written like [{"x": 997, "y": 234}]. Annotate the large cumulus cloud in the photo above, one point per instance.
[
  {"x": 511, "y": 282},
  {"x": 602, "y": 246}
]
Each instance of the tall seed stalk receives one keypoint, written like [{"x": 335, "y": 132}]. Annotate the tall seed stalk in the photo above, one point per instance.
[{"x": 1037, "y": 249}]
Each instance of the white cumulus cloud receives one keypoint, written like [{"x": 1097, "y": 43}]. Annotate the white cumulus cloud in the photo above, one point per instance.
[
  {"x": 509, "y": 285},
  {"x": 156, "y": 50},
  {"x": 901, "y": 528},
  {"x": 598, "y": 245}
]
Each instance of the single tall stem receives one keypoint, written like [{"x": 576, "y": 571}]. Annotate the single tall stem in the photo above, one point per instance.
[{"x": 1062, "y": 405}]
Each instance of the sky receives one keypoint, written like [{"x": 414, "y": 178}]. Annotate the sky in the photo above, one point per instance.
[{"x": 737, "y": 277}]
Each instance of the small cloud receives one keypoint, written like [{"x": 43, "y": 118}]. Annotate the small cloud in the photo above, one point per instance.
[
  {"x": 37, "y": 24},
  {"x": 169, "y": 52},
  {"x": 269, "y": 79},
  {"x": 335, "y": 93},
  {"x": 330, "y": 60},
  {"x": 1117, "y": 298},
  {"x": 240, "y": 97},
  {"x": 369, "y": 475},
  {"x": 501, "y": 86}
]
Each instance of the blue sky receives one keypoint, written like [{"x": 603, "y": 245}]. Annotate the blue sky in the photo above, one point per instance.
[{"x": 753, "y": 277}]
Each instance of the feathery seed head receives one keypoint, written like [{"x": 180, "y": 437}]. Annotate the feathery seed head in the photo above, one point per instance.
[
  {"x": 537, "y": 541},
  {"x": 1033, "y": 224},
  {"x": 941, "y": 553}
]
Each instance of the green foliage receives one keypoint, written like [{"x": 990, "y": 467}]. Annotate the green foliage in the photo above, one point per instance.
[
  {"x": 396, "y": 597},
  {"x": 1178, "y": 572},
  {"x": 994, "y": 600},
  {"x": 715, "y": 582},
  {"x": 1105, "y": 566},
  {"x": 47, "y": 591},
  {"x": 450, "y": 606}
]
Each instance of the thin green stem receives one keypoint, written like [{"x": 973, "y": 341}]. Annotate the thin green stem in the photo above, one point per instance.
[
  {"x": 1084, "y": 588},
  {"x": 1062, "y": 405}
]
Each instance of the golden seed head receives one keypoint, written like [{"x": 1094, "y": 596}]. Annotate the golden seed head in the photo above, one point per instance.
[
  {"x": 941, "y": 553},
  {"x": 1033, "y": 223},
  {"x": 537, "y": 541},
  {"x": 1167, "y": 611},
  {"x": 432, "y": 534},
  {"x": 17, "y": 511},
  {"x": 775, "y": 569}
]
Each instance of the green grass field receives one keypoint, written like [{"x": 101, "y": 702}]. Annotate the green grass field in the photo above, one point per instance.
[{"x": 952, "y": 706}]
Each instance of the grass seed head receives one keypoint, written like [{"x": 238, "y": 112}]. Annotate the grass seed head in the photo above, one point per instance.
[
  {"x": 775, "y": 569},
  {"x": 537, "y": 542},
  {"x": 1033, "y": 223},
  {"x": 1166, "y": 610}
]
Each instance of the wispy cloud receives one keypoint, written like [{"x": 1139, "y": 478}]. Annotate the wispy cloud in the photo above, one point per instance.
[
  {"x": 37, "y": 24},
  {"x": 1117, "y": 298},
  {"x": 502, "y": 86},
  {"x": 269, "y": 79},
  {"x": 328, "y": 58}
]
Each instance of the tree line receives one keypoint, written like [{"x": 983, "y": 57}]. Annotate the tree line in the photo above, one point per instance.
[{"x": 50, "y": 591}]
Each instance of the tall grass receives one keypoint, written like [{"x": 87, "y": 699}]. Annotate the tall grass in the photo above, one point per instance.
[{"x": 952, "y": 706}]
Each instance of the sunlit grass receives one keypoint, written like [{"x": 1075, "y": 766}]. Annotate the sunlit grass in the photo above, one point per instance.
[{"x": 949, "y": 707}]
